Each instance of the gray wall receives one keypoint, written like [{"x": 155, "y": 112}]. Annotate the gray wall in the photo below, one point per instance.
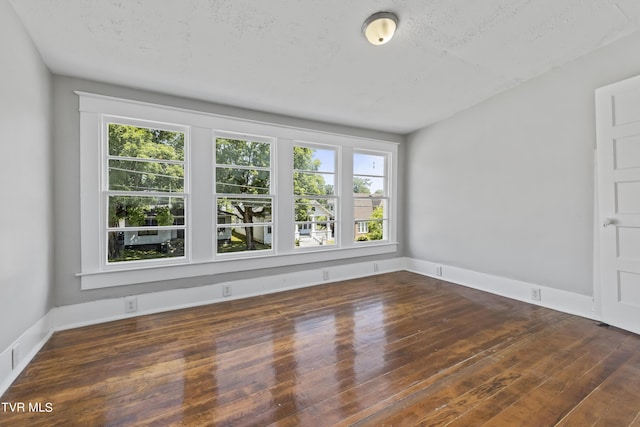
[
  {"x": 26, "y": 261},
  {"x": 67, "y": 187},
  {"x": 506, "y": 187}
]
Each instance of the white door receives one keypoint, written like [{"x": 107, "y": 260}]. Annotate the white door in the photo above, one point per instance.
[{"x": 618, "y": 148}]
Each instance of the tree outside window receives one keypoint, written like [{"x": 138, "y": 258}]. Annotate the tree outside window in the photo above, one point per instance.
[
  {"x": 243, "y": 200},
  {"x": 314, "y": 177},
  {"x": 146, "y": 194}
]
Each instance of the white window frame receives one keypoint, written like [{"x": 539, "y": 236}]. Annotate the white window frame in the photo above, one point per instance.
[
  {"x": 387, "y": 218},
  {"x": 336, "y": 194},
  {"x": 106, "y": 192},
  {"x": 272, "y": 195},
  {"x": 200, "y": 255}
]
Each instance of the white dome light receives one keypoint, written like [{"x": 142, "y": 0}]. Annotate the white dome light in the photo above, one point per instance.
[{"x": 380, "y": 27}]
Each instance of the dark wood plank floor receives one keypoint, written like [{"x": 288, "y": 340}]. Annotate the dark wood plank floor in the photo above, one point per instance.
[{"x": 395, "y": 349}]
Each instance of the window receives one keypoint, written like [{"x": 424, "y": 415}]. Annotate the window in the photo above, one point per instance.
[
  {"x": 315, "y": 201},
  {"x": 168, "y": 193},
  {"x": 244, "y": 201},
  {"x": 363, "y": 227},
  {"x": 370, "y": 196},
  {"x": 145, "y": 194}
]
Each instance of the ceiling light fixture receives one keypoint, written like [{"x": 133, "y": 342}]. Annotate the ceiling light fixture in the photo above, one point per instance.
[{"x": 380, "y": 27}]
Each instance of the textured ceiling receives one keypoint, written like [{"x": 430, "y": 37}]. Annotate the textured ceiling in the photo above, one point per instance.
[{"x": 308, "y": 58}]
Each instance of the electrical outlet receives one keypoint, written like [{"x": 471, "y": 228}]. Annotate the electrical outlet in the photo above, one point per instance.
[
  {"x": 325, "y": 275},
  {"x": 439, "y": 271},
  {"x": 536, "y": 294},
  {"x": 375, "y": 267},
  {"x": 130, "y": 304},
  {"x": 226, "y": 290}
]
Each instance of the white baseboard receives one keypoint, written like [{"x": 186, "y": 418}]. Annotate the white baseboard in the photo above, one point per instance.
[
  {"x": 76, "y": 315},
  {"x": 556, "y": 299},
  {"x": 73, "y": 316},
  {"x": 17, "y": 356}
]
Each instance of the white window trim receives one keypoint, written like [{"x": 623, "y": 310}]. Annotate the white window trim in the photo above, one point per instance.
[
  {"x": 272, "y": 193},
  {"x": 201, "y": 260},
  {"x": 104, "y": 177},
  {"x": 389, "y": 221},
  {"x": 336, "y": 194}
]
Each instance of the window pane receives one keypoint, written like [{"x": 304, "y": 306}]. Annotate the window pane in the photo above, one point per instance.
[
  {"x": 317, "y": 184},
  {"x": 315, "y": 222},
  {"x": 143, "y": 211},
  {"x": 368, "y": 164},
  {"x": 243, "y": 211},
  {"x": 315, "y": 209},
  {"x": 244, "y": 238},
  {"x": 374, "y": 229},
  {"x": 242, "y": 153},
  {"x": 138, "y": 245},
  {"x": 319, "y": 233},
  {"x": 134, "y": 141},
  {"x": 242, "y": 181},
  {"x": 368, "y": 185},
  {"x": 370, "y": 218},
  {"x": 314, "y": 159},
  {"x": 234, "y": 233},
  {"x": 126, "y": 175},
  {"x": 314, "y": 171}
]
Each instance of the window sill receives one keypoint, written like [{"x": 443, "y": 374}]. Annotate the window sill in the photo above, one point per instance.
[{"x": 146, "y": 274}]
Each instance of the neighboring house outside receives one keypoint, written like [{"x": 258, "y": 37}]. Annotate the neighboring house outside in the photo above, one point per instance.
[
  {"x": 364, "y": 205},
  {"x": 315, "y": 228},
  {"x": 261, "y": 233},
  {"x": 224, "y": 233},
  {"x": 153, "y": 239}
]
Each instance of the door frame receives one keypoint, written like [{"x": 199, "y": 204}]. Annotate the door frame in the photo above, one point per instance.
[{"x": 603, "y": 235}]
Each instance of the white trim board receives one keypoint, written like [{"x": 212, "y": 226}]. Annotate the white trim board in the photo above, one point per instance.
[
  {"x": 19, "y": 354},
  {"x": 73, "y": 316},
  {"x": 556, "y": 299}
]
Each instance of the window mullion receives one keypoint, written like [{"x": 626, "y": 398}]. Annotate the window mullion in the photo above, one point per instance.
[
  {"x": 346, "y": 190},
  {"x": 285, "y": 201},
  {"x": 145, "y": 160}
]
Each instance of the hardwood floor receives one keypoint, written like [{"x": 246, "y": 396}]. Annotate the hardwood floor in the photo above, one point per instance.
[{"x": 395, "y": 349}]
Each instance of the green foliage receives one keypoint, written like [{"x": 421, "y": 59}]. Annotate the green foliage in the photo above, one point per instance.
[
  {"x": 143, "y": 160},
  {"x": 136, "y": 216},
  {"x": 164, "y": 217},
  {"x": 238, "y": 173},
  {"x": 308, "y": 183},
  {"x": 237, "y": 243},
  {"x": 242, "y": 153},
  {"x": 243, "y": 180},
  {"x": 145, "y": 143},
  {"x": 361, "y": 185},
  {"x": 142, "y": 143},
  {"x": 172, "y": 248},
  {"x": 375, "y": 227}
]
